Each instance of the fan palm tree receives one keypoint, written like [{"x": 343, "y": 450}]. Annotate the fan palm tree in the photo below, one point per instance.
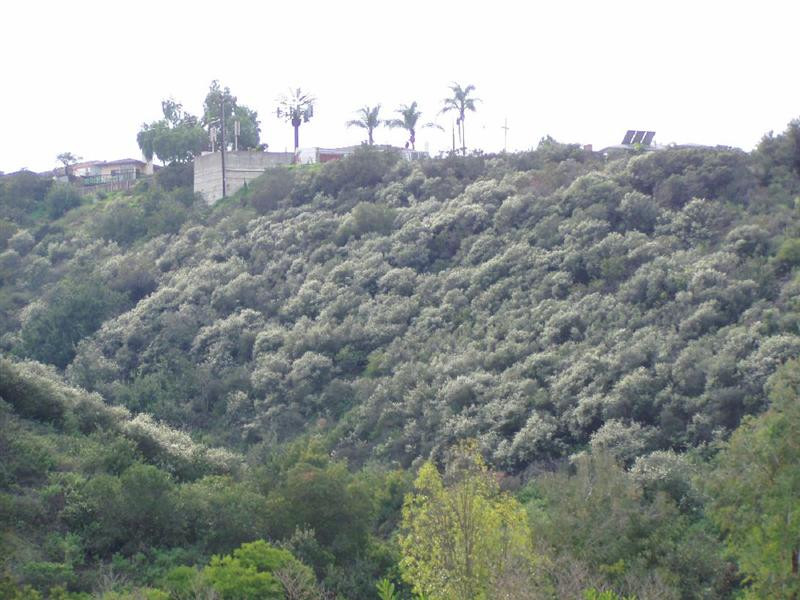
[
  {"x": 296, "y": 108},
  {"x": 460, "y": 103},
  {"x": 410, "y": 117},
  {"x": 367, "y": 119}
]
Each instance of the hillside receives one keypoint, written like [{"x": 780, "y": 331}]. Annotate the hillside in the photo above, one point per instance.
[
  {"x": 542, "y": 303},
  {"x": 532, "y": 301}
]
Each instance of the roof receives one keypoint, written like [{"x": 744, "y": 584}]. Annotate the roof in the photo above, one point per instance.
[
  {"x": 86, "y": 163},
  {"x": 123, "y": 161},
  {"x": 102, "y": 163}
]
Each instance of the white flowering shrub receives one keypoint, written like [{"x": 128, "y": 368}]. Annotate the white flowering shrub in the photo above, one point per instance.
[{"x": 537, "y": 302}]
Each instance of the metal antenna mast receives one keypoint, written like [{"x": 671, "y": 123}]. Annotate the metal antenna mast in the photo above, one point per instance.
[
  {"x": 222, "y": 145},
  {"x": 505, "y": 134}
]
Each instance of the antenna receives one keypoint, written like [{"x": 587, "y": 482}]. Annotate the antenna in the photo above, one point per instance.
[
  {"x": 222, "y": 145},
  {"x": 505, "y": 134}
]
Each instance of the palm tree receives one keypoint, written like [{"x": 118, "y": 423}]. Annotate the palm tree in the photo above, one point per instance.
[
  {"x": 461, "y": 103},
  {"x": 410, "y": 117},
  {"x": 368, "y": 119},
  {"x": 296, "y": 108}
]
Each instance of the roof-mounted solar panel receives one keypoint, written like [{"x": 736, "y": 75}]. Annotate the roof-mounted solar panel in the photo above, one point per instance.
[
  {"x": 648, "y": 138},
  {"x": 628, "y": 137}
]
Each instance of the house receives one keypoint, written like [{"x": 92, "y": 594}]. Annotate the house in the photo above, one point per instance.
[
  {"x": 635, "y": 140},
  {"x": 97, "y": 172}
]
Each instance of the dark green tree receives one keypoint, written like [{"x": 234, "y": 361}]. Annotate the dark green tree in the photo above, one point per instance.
[
  {"x": 755, "y": 488},
  {"x": 76, "y": 309},
  {"x": 68, "y": 159},
  {"x": 249, "y": 125},
  {"x": 258, "y": 570},
  {"x": 61, "y": 198},
  {"x": 177, "y": 138}
]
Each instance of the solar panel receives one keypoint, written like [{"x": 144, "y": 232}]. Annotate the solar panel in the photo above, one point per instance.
[
  {"x": 648, "y": 138},
  {"x": 628, "y": 137},
  {"x": 637, "y": 139}
]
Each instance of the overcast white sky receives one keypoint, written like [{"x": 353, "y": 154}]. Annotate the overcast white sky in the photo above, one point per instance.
[{"x": 82, "y": 76}]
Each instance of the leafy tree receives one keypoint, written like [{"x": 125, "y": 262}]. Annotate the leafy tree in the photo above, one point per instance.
[
  {"x": 601, "y": 525},
  {"x": 409, "y": 119},
  {"x": 326, "y": 499},
  {"x": 788, "y": 254},
  {"x": 386, "y": 590},
  {"x": 460, "y": 103},
  {"x": 460, "y": 536},
  {"x": 60, "y": 199},
  {"x": 147, "y": 509},
  {"x": 68, "y": 159},
  {"x": 250, "y": 572},
  {"x": 177, "y": 138},
  {"x": 365, "y": 218},
  {"x": 75, "y": 310},
  {"x": 7, "y": 231},
  {"x": 296, "y": 108},
  {"x": 21, "y": 195},
  {"x": 755, "y": 487},
  {"x": 249, "y": 125},
  {"x": 594, "y": 594},
  {"x": 778, "y": 157},
  {"x": 175, "y": 176},
  {"x": 367, "y": 119}
]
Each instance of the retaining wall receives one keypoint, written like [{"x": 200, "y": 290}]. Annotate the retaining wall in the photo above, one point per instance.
[{"x": 240, "y": 167}]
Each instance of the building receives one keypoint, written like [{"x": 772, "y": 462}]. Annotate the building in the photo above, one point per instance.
[
  {"x": 96, "y": 172},
  {"x": 635, "y": 140},
  {"x": 243, "y": 166}
]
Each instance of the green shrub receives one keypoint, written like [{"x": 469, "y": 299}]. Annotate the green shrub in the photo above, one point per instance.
[
  {"x": 176, "y": 175},
  {"x": 273, "y": 186},
  {"x": 27, "y": 398},
  {"x": 121, "y": 222},
  {"x": 60, "y": 199},
  {"x": 75, "y": 310},
  {"x": 366, "y": 218},
  {"x": 44, "y": 575},
  {"x": 788, "y": 255}
]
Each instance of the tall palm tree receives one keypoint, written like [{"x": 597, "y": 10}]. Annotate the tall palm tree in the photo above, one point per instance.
[
  {"x": 460, "y": 103},
  {"x": 410, "y": 117},
  {"x": 296, "y": 108},
  {"x": 367, "y": 119}
]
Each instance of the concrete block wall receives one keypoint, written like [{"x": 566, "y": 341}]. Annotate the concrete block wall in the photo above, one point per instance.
[{"x": 240, "y": 167}]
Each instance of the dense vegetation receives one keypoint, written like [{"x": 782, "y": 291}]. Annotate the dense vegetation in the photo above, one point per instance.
[{"x": 562, "y": 340}]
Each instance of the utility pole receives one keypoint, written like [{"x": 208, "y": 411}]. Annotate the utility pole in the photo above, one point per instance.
[
  {"x": 505, "y": 134},
  {"x": 222, "y": 145}
]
